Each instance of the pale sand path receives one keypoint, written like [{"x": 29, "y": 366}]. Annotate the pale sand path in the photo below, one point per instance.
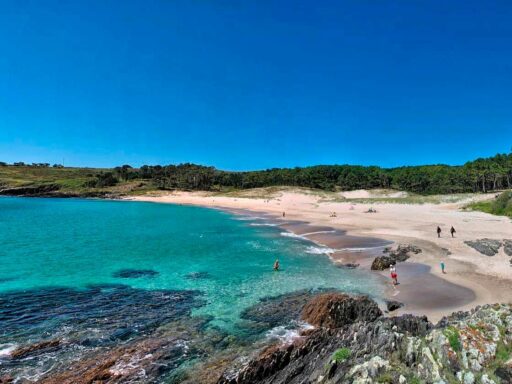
[{"x": 472, "y": 278}]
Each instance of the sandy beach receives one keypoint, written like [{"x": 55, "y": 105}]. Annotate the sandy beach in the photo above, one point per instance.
[{"x": 471, "y": 278}]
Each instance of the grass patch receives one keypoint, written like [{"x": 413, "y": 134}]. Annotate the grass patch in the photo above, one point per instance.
[
  {"x": 501, "y": 206},
  {"x": 453, "y": 336},
  {"x": 341, "y": 355},
  {"x": 385, "y": 378}
]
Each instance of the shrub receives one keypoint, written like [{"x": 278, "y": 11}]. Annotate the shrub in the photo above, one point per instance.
[
  {"x": 341, "y": 355},
  {"x": 453, "y": 336}
]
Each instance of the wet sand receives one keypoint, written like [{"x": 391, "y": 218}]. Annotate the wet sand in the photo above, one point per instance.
[{"x": 419, "y": 290}]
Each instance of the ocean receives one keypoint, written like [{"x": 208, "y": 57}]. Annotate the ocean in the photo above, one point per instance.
[{"x": 83, "y": 278}]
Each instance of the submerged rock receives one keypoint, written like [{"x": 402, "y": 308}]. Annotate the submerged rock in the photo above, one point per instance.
[
  {"x": 487, "y": 247},
  {"x": 197, "y": 275},
  {"x": 135, "y": 273},
  {"x": 348, "y": 265},
  {"x": 78, "y": 326},
  {"x": 32, "y": 349},
  {"x": 334, "y": 310}
]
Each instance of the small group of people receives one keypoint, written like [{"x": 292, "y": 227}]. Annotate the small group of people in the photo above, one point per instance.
[
  {"x": 333, "y": 214},
  {"x": 452, "y": 231},
  {"x": 371, "y": 210}
]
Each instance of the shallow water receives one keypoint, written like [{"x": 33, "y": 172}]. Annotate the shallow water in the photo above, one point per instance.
[{"x": 97, "y": 273}]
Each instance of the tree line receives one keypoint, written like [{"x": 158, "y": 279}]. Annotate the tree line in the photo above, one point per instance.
[{"x": 481, "y": 175}]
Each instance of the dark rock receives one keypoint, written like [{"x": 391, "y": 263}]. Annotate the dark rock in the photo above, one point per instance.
[
  {"x": 278, "y": 310},
  {"x": 487, "y": 247},
  {"x": 197, "y": 275},
  {"x": 504, "y": 373},
  {"x": 134, "y": 273},
  {"x": 393, "y": 305},
  {"x": 507, "y": 244},
  {"x": 348, "y": 266},
  {"x": 334, "y": 310},
  {"x": 30, "y": 350},
  {"x": 381, "y": 263},
  {"x": 122, "y": 334},
  {"x": 413, "y": 325},
  {"x": 39, "y": 190},
  {"x": 400, "y": 254}
]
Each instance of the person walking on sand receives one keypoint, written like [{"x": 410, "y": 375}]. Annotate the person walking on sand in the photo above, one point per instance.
[
  {"x": 442, "y": 267},
  {"x": 276, "y": 265},
  {"x": 438, "y": 231},
  {"x": 452, "y": 230},
  {"x": 284, "y": 214},
  {"x": 394, "y": 275}
]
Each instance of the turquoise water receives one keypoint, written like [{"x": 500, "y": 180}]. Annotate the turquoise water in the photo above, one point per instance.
[
  {"x": 62, "y": 264},
  {"x": 76, "y": 243}
]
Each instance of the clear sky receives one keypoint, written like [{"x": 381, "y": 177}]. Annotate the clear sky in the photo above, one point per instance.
[{"x": 255, "y": 84}]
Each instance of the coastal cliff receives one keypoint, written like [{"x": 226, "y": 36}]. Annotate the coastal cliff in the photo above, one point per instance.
[{"x": 353, "y": 343}]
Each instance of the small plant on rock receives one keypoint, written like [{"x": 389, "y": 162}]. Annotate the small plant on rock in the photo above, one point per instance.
[
  {"x": 341, "y": 355},
  {"x": 453, "y": 336}
]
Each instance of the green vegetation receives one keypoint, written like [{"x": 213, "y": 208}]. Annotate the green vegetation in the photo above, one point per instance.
[
  {"x": 481, "y": 175},
  {"x": 501, "y": 205},
  {"x": 453, "y": 336},
  {"x": 341, "y": 355},
  {"x": 385, "y": 378}
]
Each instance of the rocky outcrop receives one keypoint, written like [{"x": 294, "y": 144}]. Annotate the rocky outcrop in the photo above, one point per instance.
[
  {"x": 507, "y": 247},
  {"x": 39, "y": 190},
  {"x": 401, "y": 253},
  {"x": 471, "y": 347},
  {"x": 381, "y": 263},
  {"x": 487, "y": 247},
  {"x": 334, "y": 310},
  {"x": 392, "y": 305},
  {"x": 279, "y": 310},
  {"x": 393, "y": 256},
  {"x": 33, "y": 349}
]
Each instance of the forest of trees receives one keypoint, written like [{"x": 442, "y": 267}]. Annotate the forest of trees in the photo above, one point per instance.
[{"x": 481, "y": 175}]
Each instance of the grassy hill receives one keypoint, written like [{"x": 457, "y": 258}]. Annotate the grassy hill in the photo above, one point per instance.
[{"x": 53, "y": 181}]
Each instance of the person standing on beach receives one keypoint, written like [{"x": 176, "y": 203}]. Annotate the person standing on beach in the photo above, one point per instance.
[
  {"x": 284, "y": 214},
  {"x": 438, "y": 231},
  {"x": 452, "y": 230},
  {"x": 276, "y": 265},
  {"x": 394, "y": 275},
  {"x": 442, "y": 267}
]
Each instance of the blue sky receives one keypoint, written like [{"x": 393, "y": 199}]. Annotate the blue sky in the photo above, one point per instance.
[{"x": 255, "y": 84}]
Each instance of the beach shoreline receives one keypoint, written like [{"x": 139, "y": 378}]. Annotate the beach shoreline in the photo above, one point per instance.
[{"x": 472, "y": 279}]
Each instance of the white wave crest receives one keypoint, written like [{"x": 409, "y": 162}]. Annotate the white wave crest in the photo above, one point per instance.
[
  {"x": 6, "y": 349},
  {"x": 287, "y": 335},
  {"x": 292, "y": 235},
  {"x": 320, "y": 250}
]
